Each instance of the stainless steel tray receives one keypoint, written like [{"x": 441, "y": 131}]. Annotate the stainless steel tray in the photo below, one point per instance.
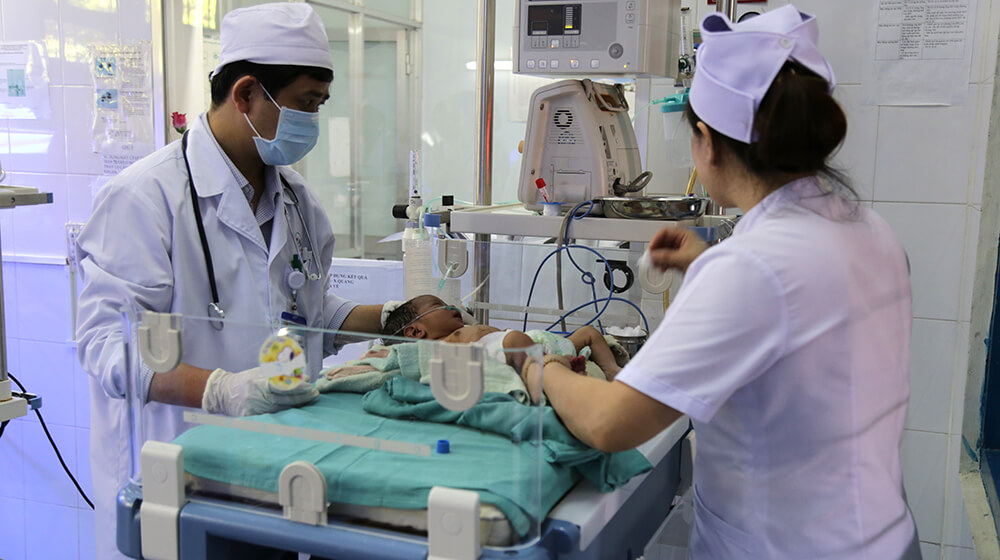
[{"x": 651, "y": 208}]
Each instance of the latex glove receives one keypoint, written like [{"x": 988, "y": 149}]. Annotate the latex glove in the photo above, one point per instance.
[
  {"x": 254, "y": 392},
  {"x": 387, "y": 308}
]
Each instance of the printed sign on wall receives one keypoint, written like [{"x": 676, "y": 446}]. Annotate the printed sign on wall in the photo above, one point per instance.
[
  {"x": 24, "y": 82},
  {"x": 123, "y": 103}
]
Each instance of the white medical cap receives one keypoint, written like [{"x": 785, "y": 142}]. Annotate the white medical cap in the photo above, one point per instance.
[
  {"x": 738, "y": 62},
  {"x": 281, "y": 33}
]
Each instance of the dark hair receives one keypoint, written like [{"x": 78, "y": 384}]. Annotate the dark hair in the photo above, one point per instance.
[
  {"x": 273, "y": 77},
  {"x": 798, "y": 126},
  {"x": 399, "y": 318}
]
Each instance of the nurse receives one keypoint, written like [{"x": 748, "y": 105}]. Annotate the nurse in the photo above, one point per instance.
[
  {"x": 788, "y": 343},
  {"x": 228, "y": 179}
]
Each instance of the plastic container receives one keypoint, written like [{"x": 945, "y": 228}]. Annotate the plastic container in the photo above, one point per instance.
[
  {"x": 417, "y": 261},
  {"x": 552, "y": 208},
  {"x": 676, "y": 132}
]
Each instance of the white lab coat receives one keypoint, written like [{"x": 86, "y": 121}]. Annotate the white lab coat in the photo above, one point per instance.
[
  {"x": 141, "y": 247},
  {"x": 788, "y": 345}
]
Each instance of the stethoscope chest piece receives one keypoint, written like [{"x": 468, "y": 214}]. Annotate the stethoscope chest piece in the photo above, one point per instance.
[{"x": 216, "y": 315}]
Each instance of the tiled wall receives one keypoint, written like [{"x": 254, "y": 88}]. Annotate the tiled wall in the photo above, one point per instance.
[
  {"x": 37, "y": 500},
  {"x": 921, "y": 168}
]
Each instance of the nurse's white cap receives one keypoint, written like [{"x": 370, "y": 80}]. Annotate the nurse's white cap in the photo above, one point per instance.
[
  {"x": 737, "y": 63},
  {"x": 280, "y": 33}
]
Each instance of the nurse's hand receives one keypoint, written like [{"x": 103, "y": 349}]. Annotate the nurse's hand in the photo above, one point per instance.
[
  {"x": 254, "y": 392},
  {"x": 675, "y": 247}
]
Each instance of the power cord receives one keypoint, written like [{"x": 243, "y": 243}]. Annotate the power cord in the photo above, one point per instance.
[
  {"x": 585, "y": 276},
  {"x": 53, "y": 443}
]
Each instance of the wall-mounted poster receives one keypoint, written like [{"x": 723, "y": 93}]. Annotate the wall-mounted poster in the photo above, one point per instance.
[{"x": 24, "y": 82}]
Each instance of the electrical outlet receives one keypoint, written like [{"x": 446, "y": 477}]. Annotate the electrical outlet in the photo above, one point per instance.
[{"x": 73, "y": 230}]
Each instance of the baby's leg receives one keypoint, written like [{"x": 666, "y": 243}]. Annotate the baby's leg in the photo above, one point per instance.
[{"x": 600, "y": 352}]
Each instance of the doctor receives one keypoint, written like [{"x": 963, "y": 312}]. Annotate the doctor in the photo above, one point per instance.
[
  {"x": 214, "y": 224},
  {"x": 788, "y": 343}
]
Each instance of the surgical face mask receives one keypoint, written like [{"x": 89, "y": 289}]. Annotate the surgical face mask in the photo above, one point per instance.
[
  {"x": 297, "y": 133},
  {"x": 428, "y": 312}
]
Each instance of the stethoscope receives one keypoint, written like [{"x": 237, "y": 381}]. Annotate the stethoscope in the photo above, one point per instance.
[{"x": 300, "y": 267}]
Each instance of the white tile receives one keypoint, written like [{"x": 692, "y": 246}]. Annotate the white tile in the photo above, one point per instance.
[
  {"x": 959, "y": 553},
  {"x": 12, "y": 465},
  {"x": 44, "y": 311},
  {"x": 82, "y": 474},
  {"x": 48, "y": 369},
  {"x": 39, "y": 146},
  {"x": 958, "y": 379},
  {"x": 984, "y": 54},
  {"x": 923, "y": 153},
  {"x": 14, "y": 359},
  {"x": 956, "y": 520},
  {"x": 930, "y": 551},
  {"x": 36, "y": 20},
  {"x": 44, "y": 477},
  {"x": 12, "y": 529},
  {"x": 932, "y": 351},
  {"x": 973, "y": 217},
  {"x": 924, "y": 459},
  {"x": 842, "y": 37},
  {"x": 84, "y": 24},
  {"x": 41, "y": 229},
  {"x": 81, "y": 382},
  {"x": 857, "y": 155},
  {"x": 980, "y": 137},
  {"x": 80, "y": 155},
  {"x": 8, "y": 239},
  {"x": 59, "y": 537},
  {"x": 933, "y": 236},
  {"x": 10, "y": 301},
  {"x": 4, "y": 138},
  {"x": 85, "y": 526},
  {"x": 80, "y": 197},
  {"x": 134, "y": 20}
]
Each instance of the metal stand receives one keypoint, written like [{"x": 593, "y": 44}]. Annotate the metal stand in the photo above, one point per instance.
[{"x": 10, "y": 406}]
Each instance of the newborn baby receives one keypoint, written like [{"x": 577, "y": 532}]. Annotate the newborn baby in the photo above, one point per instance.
[{"x": 427, "y": 317}]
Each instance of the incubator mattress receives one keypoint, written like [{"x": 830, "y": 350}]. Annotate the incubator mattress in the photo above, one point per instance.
[{"x": 514, "y": 484}]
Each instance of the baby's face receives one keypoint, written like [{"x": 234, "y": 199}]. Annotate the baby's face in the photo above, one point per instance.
[{"x": 440, "y": 322}]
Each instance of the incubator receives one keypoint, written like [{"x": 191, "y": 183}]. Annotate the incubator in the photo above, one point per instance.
[{"x": 418, "y": 448}]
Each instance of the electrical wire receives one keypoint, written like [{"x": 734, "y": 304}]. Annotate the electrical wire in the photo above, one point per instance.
[
  {"x": 54, "y": 447},
  {"x": 586, "y": 277},
  {"x": 563, "y": 239},
  {"x": 642, "y": 315}
]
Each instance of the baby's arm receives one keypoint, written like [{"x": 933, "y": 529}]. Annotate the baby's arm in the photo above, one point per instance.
[
  {"x": 600, "y": 352},
  {"x": 516, "y": 340}
]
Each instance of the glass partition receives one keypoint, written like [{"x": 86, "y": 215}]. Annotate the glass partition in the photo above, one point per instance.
[
  {"x": 368, "y": 126},
  {"x": 382, "y": 430},
  {"x": 533, "y": 284}
]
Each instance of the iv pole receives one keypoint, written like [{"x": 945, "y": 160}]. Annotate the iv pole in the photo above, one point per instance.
[{"x": 484, "y": 143}]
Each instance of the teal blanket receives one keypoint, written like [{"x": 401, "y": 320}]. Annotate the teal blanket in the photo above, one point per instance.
[
  {"x": 501, "y": 414},
  {"x": 500, "y": 470}
]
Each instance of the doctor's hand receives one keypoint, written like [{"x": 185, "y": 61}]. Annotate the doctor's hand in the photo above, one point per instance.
[
  {"x": 675, "y": 247},
  {"x": 254, "y": 392}
]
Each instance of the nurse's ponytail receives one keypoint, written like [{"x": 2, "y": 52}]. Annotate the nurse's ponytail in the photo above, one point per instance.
[{"x": 798, "y": 126}]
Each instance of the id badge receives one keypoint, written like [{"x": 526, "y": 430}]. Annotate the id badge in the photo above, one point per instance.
[{"x": 291, "y": 319}]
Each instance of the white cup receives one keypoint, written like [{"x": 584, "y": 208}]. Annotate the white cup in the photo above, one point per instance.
[{"x": 552, "y": 208}]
